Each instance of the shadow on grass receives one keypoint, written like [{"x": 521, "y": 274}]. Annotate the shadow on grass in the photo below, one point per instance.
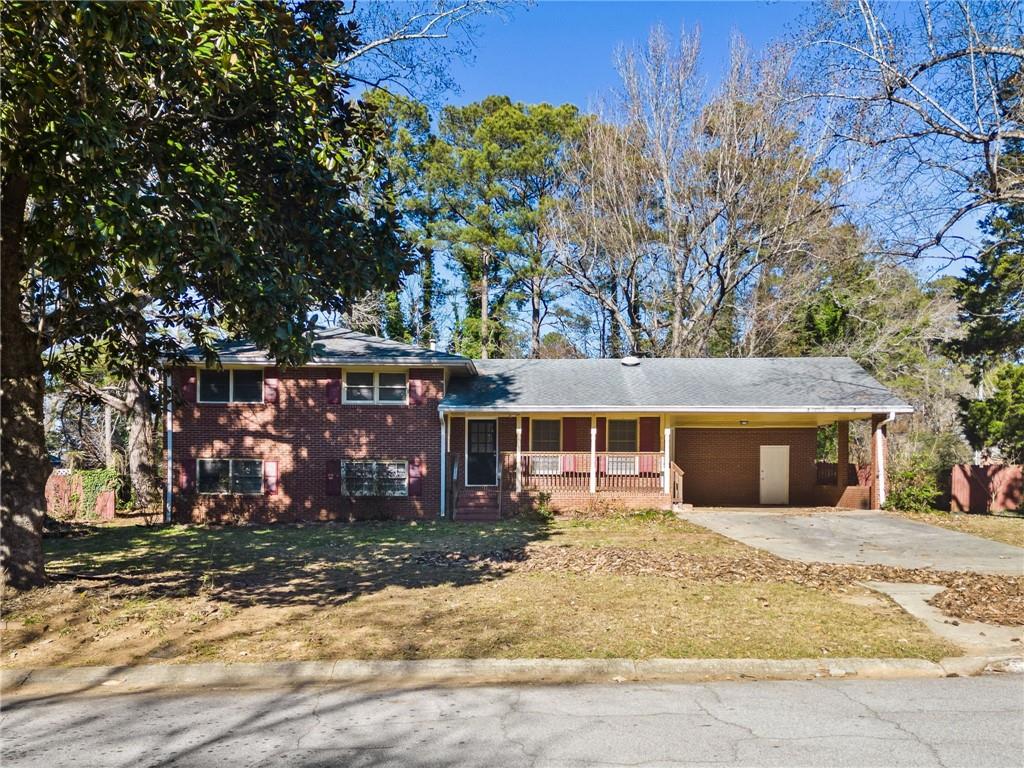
[{"x": 314, "y": 564}]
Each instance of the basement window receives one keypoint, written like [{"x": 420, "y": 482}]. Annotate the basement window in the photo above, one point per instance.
[
  {"x": 224, "y": 476},
  {"x": 375, "y": 478}
]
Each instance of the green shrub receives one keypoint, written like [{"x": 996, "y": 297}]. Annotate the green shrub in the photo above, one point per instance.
[{"x": 913, "y": 488}]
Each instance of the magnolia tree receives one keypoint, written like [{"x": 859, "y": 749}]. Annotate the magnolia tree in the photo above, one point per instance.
[{"x": 170, "y": 170}]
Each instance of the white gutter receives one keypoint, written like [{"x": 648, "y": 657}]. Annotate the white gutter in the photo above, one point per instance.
[
  {"x": 880, "y": 453},
  {"x": 637, "y": 408},
  {"x": 168, "y": 448}
]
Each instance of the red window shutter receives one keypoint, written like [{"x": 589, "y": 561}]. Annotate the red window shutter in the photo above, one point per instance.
[
  {"x": 602, "y": 434},
  {"x": 188, "y": 385},
  {"x": 650, "y": 440},
  {"x": 187, "y": 475},
  {"x": 333, "y": 391},
  {"x": 270, "y": 478},
  {"x": 415, "y": 478},
  {"x": 270, "y": 385},
  {"x": 569, "y": 434},
  {"x": 526, "y": 433},
  {"x": 332, "y": 476},
  {"x": 417, "y": 391}
]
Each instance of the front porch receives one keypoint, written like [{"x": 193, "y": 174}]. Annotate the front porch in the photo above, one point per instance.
[{"x": 496, "y": 465}]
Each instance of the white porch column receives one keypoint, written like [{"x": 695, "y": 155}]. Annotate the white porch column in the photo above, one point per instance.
[
  {"x": 519, "y": 454},
  {"x": 593, "y": 454},
  {"x": 668, "y": 460},
  {"x": 444, "y": 466}
]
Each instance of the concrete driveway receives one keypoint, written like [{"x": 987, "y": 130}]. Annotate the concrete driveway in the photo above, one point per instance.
[{"x": 860, "y": 538}]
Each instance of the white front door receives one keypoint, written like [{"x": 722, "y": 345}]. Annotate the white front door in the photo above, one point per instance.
[{"x": 775, "y": 474}]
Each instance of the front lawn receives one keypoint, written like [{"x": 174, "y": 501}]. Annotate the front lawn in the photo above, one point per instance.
[{"x": 638, "y": 586}]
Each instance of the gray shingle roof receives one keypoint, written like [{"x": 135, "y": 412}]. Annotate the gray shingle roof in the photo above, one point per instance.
[
  {"x": 682, "y": 384},
  {"x": 340, "y": 346}
]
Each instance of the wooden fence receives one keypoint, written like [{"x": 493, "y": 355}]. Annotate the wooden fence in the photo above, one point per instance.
[{"x": 985, "y": 489}]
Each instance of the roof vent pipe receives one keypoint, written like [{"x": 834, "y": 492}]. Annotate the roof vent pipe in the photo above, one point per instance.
[{"x": 630, "y": 361}]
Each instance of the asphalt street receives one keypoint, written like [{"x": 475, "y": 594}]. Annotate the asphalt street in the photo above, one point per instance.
[{"x": 974, "y": 722}]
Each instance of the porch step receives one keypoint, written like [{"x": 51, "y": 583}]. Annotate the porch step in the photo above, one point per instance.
[{"x": 477, "y": 505}]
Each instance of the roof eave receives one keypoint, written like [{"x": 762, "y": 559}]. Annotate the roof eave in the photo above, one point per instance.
[
  {"x": 321, "y": 362},
  {"x": 633, "y": 408}
]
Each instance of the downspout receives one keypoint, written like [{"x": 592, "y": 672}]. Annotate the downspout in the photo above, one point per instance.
[
  {"x": 444, "y": 470},
  {"x": 880, "y": 453},
  {"x": 168, "y": 448}
]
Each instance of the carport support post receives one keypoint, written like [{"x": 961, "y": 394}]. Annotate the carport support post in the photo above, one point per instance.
[
  {"x": 878, "y": 456},
  {"x": 842, "y": 453},
  {"x": 593, "y": 454}
]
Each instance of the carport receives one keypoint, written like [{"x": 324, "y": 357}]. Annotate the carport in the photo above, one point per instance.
[{"x": 770, "y": 458}]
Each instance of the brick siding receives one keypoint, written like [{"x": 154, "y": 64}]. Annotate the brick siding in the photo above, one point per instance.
[{"x": 303, "y": 432}]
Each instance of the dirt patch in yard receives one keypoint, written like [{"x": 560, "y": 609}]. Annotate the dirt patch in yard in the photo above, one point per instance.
[{"x": 977, "y": 597}]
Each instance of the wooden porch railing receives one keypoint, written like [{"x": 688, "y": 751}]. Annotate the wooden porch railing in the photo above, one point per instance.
[
  {"x": 676, "y": 482},
  {"x": 561, "y": 471}
]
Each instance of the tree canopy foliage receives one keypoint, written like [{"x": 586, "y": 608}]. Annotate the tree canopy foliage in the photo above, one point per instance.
[{"x": 168, "y": 169}]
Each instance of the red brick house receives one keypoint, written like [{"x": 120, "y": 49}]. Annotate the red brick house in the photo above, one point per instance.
[{"x": 372, "y": 428}]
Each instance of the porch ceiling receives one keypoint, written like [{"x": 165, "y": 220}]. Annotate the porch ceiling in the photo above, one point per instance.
[{"x": 760, "y": 420}]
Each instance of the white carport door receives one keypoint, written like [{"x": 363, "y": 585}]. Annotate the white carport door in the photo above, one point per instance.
[{"x": 775, "y": 474}]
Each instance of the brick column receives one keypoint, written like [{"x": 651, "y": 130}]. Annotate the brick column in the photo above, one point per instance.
[{"x": 842, "y": 452}]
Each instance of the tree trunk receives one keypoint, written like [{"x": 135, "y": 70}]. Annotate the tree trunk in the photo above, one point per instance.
[
  {"x": 485, "y": 300},
  {"x": 142, "y": 468},
  {"x": 427, "y": 333},
  {"x": 535, "y": 315},
  {"x": 25, "y": 464},
  {"x": 614, "y": 334}
]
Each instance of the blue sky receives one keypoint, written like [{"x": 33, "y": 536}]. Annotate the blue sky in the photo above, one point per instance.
[
  {"x": 559, "y": 51},
  {"x": 563, "y": 50}
]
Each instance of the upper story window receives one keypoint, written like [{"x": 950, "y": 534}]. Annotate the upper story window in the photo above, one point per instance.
[
  {"x": 376, "y": 387},
  {"x": 233, "y": 385}
]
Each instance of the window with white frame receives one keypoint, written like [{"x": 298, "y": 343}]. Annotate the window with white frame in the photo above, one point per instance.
[
  {"x": 545, "y": 436},
  {"x": 376, "y": 387},
  {"x": 232, "y": 385},
  {"x": 224, "y": 476},
  {"x": 622, "y": 438},
  {"x": 375, "y": 478}
]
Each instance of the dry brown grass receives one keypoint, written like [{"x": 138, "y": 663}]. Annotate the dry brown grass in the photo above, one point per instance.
[
  {"x": 1009, "y": 530},
  {"x": 178, "y": 594}
]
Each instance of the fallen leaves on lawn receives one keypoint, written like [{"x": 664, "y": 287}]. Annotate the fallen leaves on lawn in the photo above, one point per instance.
[{"x": 973, "y": 596}]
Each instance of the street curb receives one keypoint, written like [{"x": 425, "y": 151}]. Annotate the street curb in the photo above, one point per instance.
[{"x": 464, "y": 672}]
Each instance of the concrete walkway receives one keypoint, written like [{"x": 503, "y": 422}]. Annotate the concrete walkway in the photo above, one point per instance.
[
  {"x": 974, "y": 637},
  {"x": 925, "y": 723},
  {"x": 860, "y": 538}
]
